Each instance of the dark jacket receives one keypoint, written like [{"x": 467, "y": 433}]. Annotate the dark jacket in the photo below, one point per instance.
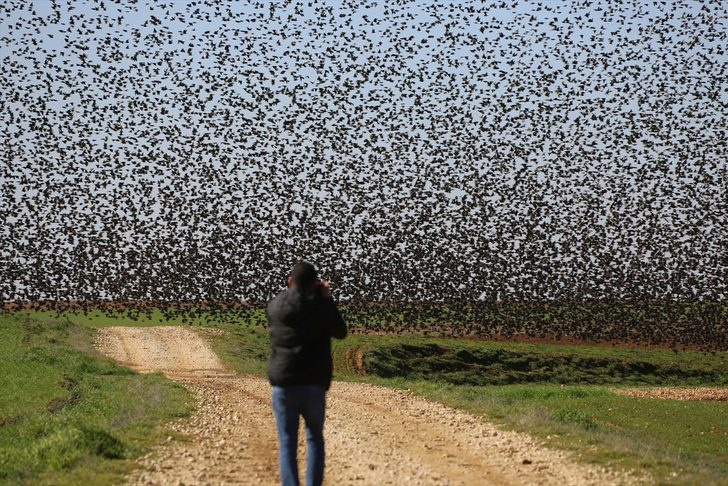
[{"x": 301, "y": 327}]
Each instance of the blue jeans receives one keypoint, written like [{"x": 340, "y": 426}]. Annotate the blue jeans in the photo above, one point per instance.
[{"x": 289, "y": 402}]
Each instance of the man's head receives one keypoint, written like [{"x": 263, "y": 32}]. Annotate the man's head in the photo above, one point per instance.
[{"x": 303, "y": 275}]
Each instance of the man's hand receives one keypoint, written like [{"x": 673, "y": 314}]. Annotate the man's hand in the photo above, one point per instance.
[{"x": 325, "y": 291}]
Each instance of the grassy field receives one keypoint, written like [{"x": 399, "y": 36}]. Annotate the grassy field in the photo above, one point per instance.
[
  {"x": 68, "y": 415},
  {"x": 562, "y": 394}
]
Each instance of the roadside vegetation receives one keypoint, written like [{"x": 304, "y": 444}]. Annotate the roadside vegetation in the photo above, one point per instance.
[
  {"x": 562, "y": 394},
  {"x": 69, "y": 415}
]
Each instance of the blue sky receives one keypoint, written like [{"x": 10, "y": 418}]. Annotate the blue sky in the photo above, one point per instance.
[{"x": 608, "y": 113}]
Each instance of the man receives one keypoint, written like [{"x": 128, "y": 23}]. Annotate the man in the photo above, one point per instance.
[{"x": 301, "y": 321}]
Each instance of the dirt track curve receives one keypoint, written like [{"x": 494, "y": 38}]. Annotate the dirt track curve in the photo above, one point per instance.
[{"x": 374, "y": 435}]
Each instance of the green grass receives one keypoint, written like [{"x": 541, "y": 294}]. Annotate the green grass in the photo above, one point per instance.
[
  {"x": 559, "y": 393},
  {"x": 67, "y": 413},
  {"x": 95, "y": 319}
]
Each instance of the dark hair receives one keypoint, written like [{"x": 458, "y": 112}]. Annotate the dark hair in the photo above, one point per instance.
[{"x": 304, "y": 274}]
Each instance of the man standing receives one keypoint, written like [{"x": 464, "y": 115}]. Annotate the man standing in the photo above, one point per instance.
[{"x": 301, "y": 321}]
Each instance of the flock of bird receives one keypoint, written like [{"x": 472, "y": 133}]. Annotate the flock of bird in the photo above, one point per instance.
[{"x": 429, "y": 155}]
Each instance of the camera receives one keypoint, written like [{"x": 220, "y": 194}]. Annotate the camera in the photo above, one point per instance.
[{"x": 322, "y": 288}]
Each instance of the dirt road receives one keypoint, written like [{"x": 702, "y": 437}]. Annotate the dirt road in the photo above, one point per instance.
[{"x": 374, "y": 435}]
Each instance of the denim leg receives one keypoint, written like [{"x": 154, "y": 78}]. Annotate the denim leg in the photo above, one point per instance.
[
  {"x": 286, "y": 411},
  {"x": 313, "y": 409}
]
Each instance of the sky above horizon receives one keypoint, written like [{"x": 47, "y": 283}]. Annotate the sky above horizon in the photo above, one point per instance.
[{"x": 412, "y": 150}]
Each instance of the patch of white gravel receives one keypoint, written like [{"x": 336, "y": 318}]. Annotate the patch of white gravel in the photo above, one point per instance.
[{"x": 703, "y": 393}]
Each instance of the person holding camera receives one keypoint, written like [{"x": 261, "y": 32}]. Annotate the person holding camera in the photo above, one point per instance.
[{"x": 302, "y": 319}]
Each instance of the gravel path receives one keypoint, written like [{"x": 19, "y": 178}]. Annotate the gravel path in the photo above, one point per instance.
[{"x": 374, "y": 435}]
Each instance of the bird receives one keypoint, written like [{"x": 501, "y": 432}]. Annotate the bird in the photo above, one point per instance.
[{"x": 526, "y": 170}]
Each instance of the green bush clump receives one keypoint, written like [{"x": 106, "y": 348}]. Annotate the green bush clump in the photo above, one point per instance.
[
  {"x": 576, "y": 417},
  {"x": 498, "y": 366},
  {"x": 65, "y": 445}
]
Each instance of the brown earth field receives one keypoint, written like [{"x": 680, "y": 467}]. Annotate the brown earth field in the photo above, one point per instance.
[{"x": 374, "y": 435}]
